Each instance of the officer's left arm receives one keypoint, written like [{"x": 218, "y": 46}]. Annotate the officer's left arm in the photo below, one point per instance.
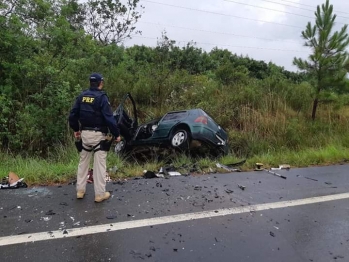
[
  {"x": 74, "y": 116},
  {"x": 108, "y": 116}
]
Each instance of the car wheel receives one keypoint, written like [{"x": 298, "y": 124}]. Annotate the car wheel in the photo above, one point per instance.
[
  {"x": 120, "y": 147},
  {"x": 179, "y": 139}
]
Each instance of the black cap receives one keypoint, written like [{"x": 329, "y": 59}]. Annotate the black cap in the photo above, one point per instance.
[{"x": 95, "y": 77}]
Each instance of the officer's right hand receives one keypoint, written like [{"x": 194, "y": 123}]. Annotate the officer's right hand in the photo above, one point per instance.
[
  {"x": 77, "y": 135},
  {"x": 118, "y": 139}
]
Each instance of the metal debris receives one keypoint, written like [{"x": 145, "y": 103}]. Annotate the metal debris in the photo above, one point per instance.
[
  {"x": 311, "y": 178},
  {"x": 149, "y": 174},
  {"x": 227, "y": 168},
  {"x": 12, "y": 181},
  {"x": 275, "y": 174},
  {"x": 50, "y": 213},
  {"x": 284, "y": 166},
  {"x": 241, "y": 187},
  {"x": 174, "y": 173},
  {"x": 259, "y": 167}
]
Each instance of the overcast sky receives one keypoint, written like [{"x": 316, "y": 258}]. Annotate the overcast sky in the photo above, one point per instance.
[{"x": 260, "y": 35}]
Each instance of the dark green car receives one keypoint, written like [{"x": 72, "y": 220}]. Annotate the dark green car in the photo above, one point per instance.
[{"x": 176, "y": 129}]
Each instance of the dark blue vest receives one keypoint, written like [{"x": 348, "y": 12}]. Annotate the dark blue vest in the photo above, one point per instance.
[{"x": 90, "y": 109}]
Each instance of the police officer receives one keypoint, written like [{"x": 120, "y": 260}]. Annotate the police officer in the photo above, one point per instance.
[{"x": 92, "y": 109}]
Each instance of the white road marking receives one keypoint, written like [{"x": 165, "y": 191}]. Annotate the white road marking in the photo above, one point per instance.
[{"x": 74, "y": 232}]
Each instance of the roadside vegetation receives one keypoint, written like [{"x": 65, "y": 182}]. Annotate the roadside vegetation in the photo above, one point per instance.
[
  {"x": 273, "y": 116},
  {"x": 61, "y": 167}
]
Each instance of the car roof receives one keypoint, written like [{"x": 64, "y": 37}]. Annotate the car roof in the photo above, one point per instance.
[{"x": 181, "y": 111}]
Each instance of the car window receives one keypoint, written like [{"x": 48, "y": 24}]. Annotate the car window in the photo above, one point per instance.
[
  {"x": 209, "y": 117},
  {"x": 175, "y": 116}
]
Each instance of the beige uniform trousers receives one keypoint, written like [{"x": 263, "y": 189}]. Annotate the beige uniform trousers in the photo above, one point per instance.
[{"x": 90, "y": 139}]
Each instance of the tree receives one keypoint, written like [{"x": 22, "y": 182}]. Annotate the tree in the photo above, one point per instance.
[
  {"x": 110, "y": 21},
  {"x": 328, "y": 63},
  {"x": 41, "y": 45}
]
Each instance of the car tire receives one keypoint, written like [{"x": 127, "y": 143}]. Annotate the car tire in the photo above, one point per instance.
[
  {"x": 120, "y": 147},
  {"x": 180, "y": 139}
]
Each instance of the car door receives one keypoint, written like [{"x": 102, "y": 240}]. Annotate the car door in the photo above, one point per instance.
[{"x": 126, "y": 117}]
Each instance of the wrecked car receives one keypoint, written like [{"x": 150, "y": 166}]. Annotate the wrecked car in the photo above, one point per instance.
[{"x": 176, "y": 129}]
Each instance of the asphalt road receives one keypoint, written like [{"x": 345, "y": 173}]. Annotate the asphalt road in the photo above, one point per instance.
[{"x": 194, "y": 218}]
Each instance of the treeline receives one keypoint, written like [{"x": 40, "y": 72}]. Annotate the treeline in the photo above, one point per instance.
[{"x": 48, "y": 48}]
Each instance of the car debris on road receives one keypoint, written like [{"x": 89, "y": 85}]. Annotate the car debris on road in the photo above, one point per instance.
[
  {"x": 171, "y": 171},
  {"x": 241, "y": 187},
  {"x": 164, "y": 172},
  {"x": 231, "y": 167},
  {"x": 149, "y": 174},
  {"x": 228, "y": 168},
  {"x": 275, "y": 174},
  {"x": 287, "y": 167},
  {"x": 12, "y": 181},
  {"x": 259, "y": 167}
]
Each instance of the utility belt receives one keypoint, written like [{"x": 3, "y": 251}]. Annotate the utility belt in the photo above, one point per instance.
[
  {"x": 103, "y": 129},
  {"x": 104, "y": 145}
]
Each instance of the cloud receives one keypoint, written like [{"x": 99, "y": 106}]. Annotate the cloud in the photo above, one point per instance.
[{"x": 223, "y": 26}]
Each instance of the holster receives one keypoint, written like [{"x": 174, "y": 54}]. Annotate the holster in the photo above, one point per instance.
[
  {"x": 105, "y": 145},
  {"x": 78, "y": 145}
]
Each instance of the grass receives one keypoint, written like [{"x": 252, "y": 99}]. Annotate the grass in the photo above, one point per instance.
[
  {"x": 327, "y": 155},
  {"x": 61, "y": 167}
]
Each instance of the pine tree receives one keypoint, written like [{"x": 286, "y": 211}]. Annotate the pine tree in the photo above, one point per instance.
[{"x": 328, "y": 64}]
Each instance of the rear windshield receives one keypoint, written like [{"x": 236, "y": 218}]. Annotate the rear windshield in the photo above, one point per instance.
[
  {"x": 208, "y": 116},
  {"x": 175, "y": 116}
]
